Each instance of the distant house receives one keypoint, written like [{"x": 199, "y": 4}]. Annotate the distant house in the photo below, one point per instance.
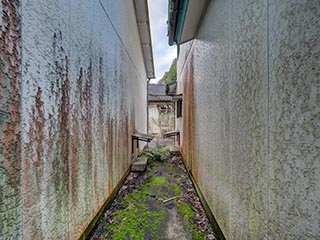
[{"x": 161, "y": 110}]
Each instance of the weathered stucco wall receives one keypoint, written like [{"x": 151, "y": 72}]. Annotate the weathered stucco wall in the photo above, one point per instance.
[
  {"x": 253, "y": 71},
  {"x": 10, "y": 144},
  {"x": 73, "y": 89}
]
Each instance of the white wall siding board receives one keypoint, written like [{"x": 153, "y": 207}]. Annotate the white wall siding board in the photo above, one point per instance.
[
  {"x": 294, "y": 119},
  {"x": 82, "y": 95},
  {"x": 126, "y": 27},
  {"x": 256, "y": 116}
]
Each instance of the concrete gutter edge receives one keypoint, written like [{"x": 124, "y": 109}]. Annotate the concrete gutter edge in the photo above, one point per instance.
[{"x": 214, "y": 224}]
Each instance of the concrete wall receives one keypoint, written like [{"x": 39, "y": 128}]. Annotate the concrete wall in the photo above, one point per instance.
[
  {"x": 153, "y": 123},
  {"x": 160, "y": 122},
  {"x": 73, "y": 89},
  {"x": 251, "y": 119}
]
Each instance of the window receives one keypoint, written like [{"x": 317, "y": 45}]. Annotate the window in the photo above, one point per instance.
[{"x": 179, "y": 108}]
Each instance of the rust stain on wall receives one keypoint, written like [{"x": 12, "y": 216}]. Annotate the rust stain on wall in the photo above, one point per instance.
[
  {"x": 79, "y": 86},
  {"x": 76, "y": 138},
  {"x": 87, "y": 111},
  {"x": 37, "y": 131},
  {"x": 65, "y": 122},
  {"x": 188, "y": 120},
  {"x": 123, "y": 128},
  {"x": 10, "y": 90},
  {"x": 115, "y": 150},
  {"x": 74, "y": 156},
  {"x": 101, "y": 98},
  {"x": 59, "y": 125},
  {"x": 124, "y": 143},
  {"x": 110, "y": 154}
]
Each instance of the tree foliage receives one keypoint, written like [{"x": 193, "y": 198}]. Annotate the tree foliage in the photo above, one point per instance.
[{"x": 171, "y": 75}]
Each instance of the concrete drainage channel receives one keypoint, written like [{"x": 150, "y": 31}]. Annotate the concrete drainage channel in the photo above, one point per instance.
[{"x": 159, "y": 203}]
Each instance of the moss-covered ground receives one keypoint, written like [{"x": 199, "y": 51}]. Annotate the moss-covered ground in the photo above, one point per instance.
[{"x": 153, "y": 205}]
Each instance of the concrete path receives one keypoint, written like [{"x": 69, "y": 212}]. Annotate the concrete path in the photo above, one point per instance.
[{"x": 160, "y": 203}]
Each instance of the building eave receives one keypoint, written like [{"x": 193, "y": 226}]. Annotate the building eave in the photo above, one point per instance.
[
  {"x": 142, "y": 16},
  {"x": 184, "y": 19}
]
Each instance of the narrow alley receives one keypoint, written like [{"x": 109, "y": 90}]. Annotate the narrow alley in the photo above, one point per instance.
[
  {"x": 87, "y": 85},
  {"x": 160, "y": 203}
]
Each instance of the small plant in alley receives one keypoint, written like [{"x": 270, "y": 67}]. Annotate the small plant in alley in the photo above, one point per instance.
[{"x": 159, "y": 153}]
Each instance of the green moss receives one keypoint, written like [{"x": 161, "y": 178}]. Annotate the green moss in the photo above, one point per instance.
[
  {"x": 143, "y": 215},
  {"x": 196, "y": 234},
  {"x": 133, "y": 222},
  {"x": 158, "y": 181},
  {"x": 187, "y": 213},
  {"x": 252, "y": 224},
  {"x": 186, "y": 210},
  {"x": 176, "y": 190}
]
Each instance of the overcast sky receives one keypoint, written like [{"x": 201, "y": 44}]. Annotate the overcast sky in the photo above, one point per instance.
[{"x": 162, "y": 53}]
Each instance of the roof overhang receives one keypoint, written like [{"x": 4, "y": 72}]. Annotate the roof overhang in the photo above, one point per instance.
[
  {"x": 184, "y": 19},
  {"x": 171, "y": 88},
  {"x": 142, "y": 16},
  {"x": 177, "y": 97}
]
